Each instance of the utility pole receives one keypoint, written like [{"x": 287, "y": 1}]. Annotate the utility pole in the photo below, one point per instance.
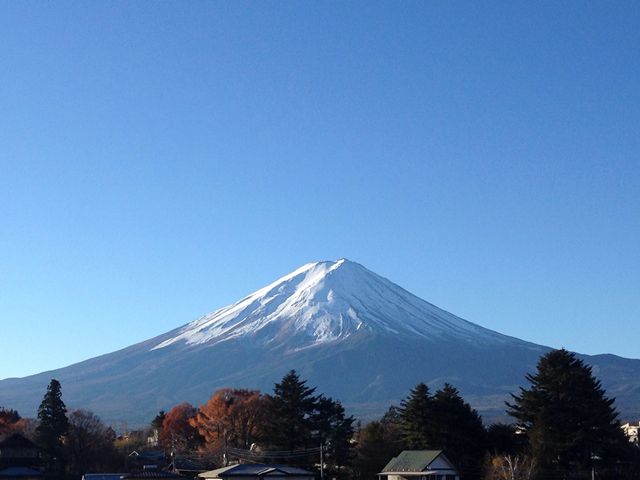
[
  {"x": 225, "y": 458},
  {"x": 321, "y": 461},
  {"x": 173, "y": 451}
]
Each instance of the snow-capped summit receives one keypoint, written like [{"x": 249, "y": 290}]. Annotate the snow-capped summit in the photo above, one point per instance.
[
  {"x": 326, "y": 302},
  {"x": 355, "y": 335}
]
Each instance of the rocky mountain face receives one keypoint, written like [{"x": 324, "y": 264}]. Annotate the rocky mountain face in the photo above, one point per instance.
[{"x": 356, "y": 335}]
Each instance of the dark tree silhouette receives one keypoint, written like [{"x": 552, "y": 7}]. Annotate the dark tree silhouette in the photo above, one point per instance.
[
  {"x": 444, "y": 421},
  {"x": 503, "y": 439},
  {"x": 567, "y": 418},
  {"x": 334, "y": 430},
  {"x": 157, "y": 422},
  {"x": 416, "y": 417},
  {"x": 378, "y": 442},
  {"x": 89, "y": 443},
  {"x": 296, "y": 419},
  {"x": 9, "y": 419},
  {"x": 289, "y": 424},
  {"x": 457, "y": 428},
  {"x": 53, "y": 425}
]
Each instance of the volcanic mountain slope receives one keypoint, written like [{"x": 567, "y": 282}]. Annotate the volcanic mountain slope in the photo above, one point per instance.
[{"x": 357, "y": 336}]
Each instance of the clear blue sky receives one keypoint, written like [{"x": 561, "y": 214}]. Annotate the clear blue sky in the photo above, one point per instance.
[{"x": 159, "y": 160}]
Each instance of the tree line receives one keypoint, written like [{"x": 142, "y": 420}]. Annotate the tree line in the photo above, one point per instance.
[
  {"x": 564, "y": 427},
  {"x": 293, "y": 425},
  {"x": 73, "y": 442}
]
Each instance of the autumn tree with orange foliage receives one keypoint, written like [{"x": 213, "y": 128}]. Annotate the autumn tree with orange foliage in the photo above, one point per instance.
[
  {"x": 178, "y": 434},
  {"x": 11, "y": 422},
  {"x": 231, "y": 417}
]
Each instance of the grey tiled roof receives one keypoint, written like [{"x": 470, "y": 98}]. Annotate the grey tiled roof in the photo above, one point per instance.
[
  {"x": 256, "y": 469},
  {"x": 412, "y": 461}
]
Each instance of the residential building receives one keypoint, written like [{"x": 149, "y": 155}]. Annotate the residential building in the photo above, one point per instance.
[
  {"x": 420, "y": 465},
  {"x": 631, "y": 431},
  {"x": 20, "y": 459},
  {"x": 258, "y": 471}
]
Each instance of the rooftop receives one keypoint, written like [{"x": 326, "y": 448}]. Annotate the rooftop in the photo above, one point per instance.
[
  {"x": 412, "y": 461},
  {"x": 256, "y": 469}
]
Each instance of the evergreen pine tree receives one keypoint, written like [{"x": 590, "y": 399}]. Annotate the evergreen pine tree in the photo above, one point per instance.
[
  {"x": 158, "y": 420},
  {"x": 9, "y": 415},
  {"x": 333, "y": 430},
  {"x": 378, "y": 442},
  {"x": 503, "y": 439},
  {"x": 392, "y": 416},
  {"x": 444, "y": 421},
  {"x": 567, "y": 417},
  {"x": 457, "y": 428},
  {"x": 416, "y": 418},
  {"x": 53, "y": 424},
  {"x": 290, "y": 409}
]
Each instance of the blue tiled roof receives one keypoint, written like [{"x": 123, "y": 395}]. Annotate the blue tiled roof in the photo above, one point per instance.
[{"x": 20, "y": 472}]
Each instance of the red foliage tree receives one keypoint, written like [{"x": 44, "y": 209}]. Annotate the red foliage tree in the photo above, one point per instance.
[
  {"x": 9, "y": 421},
  {"x": 231, "y": 417},
  {"x": 178, "y": 434}
]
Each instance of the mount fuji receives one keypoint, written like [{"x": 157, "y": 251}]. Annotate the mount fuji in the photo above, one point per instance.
[{"x": 355, "y": 335}]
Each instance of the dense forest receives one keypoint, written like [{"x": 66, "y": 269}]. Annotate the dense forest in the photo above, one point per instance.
[{"x": 564, "y": 427}]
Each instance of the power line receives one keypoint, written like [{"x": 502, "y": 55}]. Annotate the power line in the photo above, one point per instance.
[{"x": 274, "y": 453}]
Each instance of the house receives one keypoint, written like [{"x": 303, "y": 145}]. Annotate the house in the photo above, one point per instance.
[
  {"x": 153, "y": 440},
  {"x": 145, "y": 460},
  {"x": 19, "y": 451},
  {"x": 631, "y": 431},
  {"x": 188, "y": 467},
  {"x": 145, "y": 474},
  {"x": 420, "y": 465},
  {"x": 258, "y": 471},
  {"x": 20, "y": 458}
]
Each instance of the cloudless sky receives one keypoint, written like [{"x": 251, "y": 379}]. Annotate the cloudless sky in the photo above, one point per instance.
[{"x": 159, "y": 160}]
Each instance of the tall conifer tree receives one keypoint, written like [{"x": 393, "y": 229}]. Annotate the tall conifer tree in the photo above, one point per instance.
[
  {"x": 416, "y": 418},
  {"x": 444, "y": 421},
  {"x": 53, "y": 423},
  {"x": 568, "y": 419},
  {"x": 378, "y": 442},
  {"x": 290, "y": 425},
  {"x": 457, "y": 428},
  {"x": 334, "y": 430}
]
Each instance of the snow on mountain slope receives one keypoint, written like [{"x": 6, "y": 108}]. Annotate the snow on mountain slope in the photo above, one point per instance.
[
  {"x": 326, "y": 302},
  {"x": 355, "y": 335}
]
